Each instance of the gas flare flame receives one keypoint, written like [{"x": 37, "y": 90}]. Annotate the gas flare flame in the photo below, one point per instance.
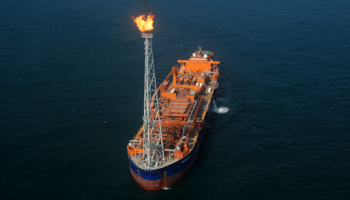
[{"x": 143, "y": 23}]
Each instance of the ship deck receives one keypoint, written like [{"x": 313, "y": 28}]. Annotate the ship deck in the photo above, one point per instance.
[
  {"x": 205, "y": 104},
  {"x": 184, "y": 101}
]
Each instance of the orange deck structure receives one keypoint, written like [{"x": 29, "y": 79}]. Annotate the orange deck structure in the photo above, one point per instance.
[{"x": 185, "y": 97}]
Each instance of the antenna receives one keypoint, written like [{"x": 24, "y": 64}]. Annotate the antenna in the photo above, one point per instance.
[{"x": 153, "y": 149}]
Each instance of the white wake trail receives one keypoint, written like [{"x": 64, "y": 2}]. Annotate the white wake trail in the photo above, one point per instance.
[{"x": 219, "y": 110}]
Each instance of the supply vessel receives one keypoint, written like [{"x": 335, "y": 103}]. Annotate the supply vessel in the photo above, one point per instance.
[{"x": 175, "y": 116}]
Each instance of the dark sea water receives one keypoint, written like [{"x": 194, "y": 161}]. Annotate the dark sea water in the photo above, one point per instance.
[{"x": 71, "y": 97}]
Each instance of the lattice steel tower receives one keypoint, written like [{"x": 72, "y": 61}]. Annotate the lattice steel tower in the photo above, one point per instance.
[{"x": 153, "y": 149}]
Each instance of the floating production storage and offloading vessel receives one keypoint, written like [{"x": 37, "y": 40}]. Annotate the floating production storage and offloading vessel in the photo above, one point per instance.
[
  {"x": 175, "y": 116},
  {"x": 183, "y": 110}
]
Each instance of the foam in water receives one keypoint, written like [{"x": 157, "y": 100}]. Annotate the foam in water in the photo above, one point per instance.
[
  {"x": 220, "y": 109},
  {"x": 223, "y": 110}
]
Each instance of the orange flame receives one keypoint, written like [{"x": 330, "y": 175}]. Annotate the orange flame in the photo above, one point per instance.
[{"x": 144, "y": 24}]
